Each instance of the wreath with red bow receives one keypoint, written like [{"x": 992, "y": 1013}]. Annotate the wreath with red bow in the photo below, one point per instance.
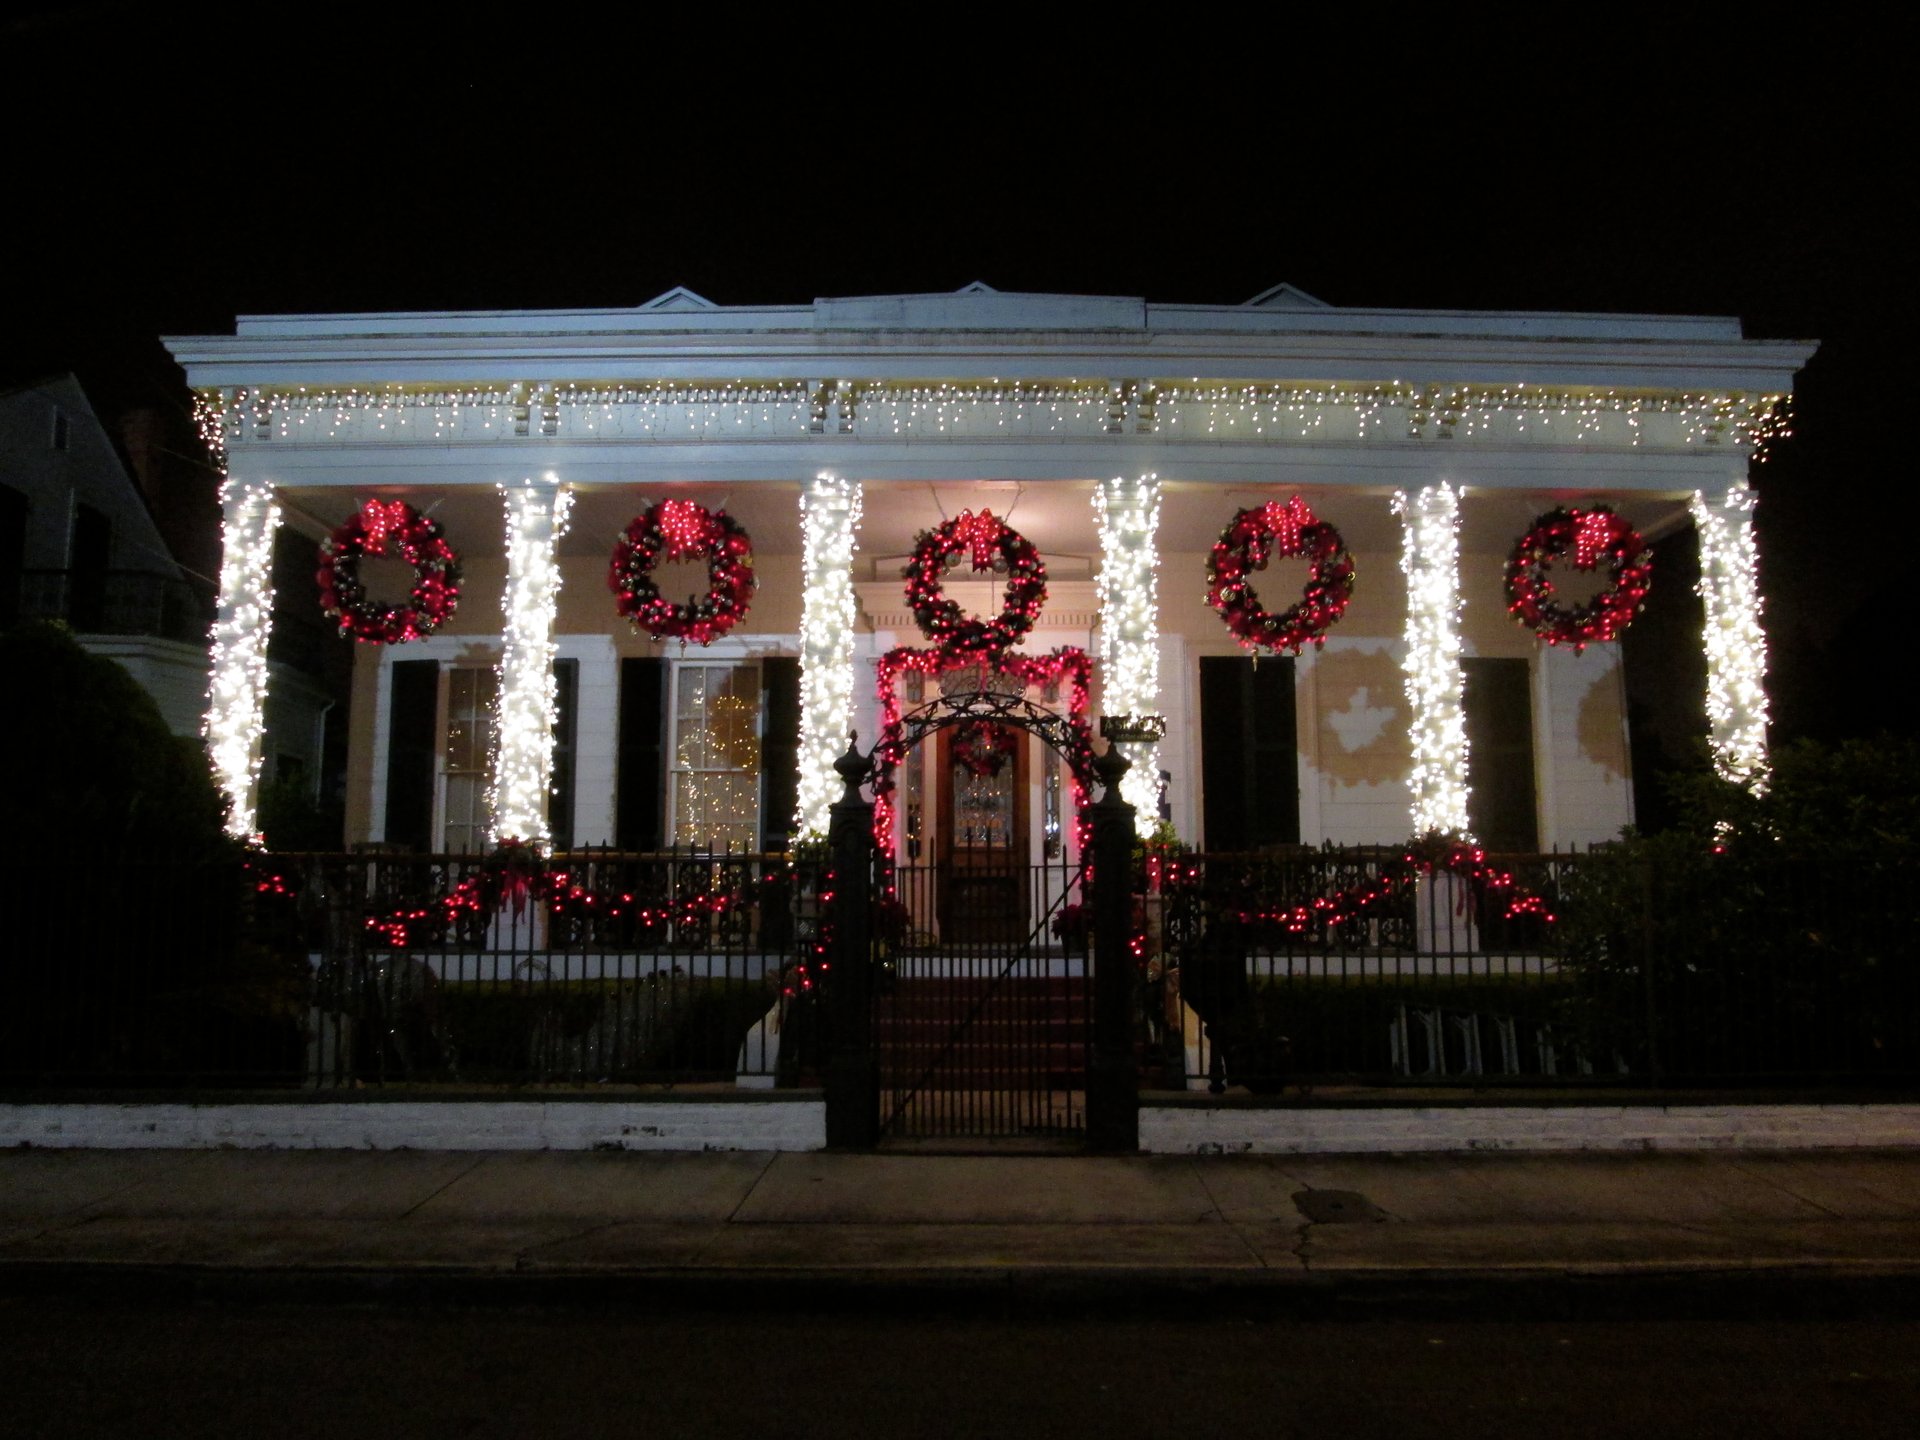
[
  {"x": 388, "y": 527},
  {"x": 983, "y": 748},
  {"x": 1588, "y": 539},
  {"x": 993, "y": 546},
  {"x": 1257, "y": 535},
  {"x": 682, "y": 530}
]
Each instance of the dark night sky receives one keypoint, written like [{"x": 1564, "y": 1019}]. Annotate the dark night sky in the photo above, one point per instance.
[{"x": 163, "y": 179}]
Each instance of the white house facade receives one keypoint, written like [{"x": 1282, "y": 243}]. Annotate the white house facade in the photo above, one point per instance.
[{"x": 1119, "y": 437}]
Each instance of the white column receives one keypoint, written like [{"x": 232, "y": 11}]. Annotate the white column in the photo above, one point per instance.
[
  {"x": 1735, "y": 642},
  {"x": 237, "y": 691},
  {"x": 523, "y": 729},
  {"x": 1437, "y": 731},
  {"x": 1129, "y": 590},
  {"x": 829, "y": 526}
]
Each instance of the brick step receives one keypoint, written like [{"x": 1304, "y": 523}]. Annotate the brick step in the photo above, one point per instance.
[
  {"x": 999, "y": 1040},
  {"x": 1059, "y": 1077},
  {"x": 900, "y": 992}
]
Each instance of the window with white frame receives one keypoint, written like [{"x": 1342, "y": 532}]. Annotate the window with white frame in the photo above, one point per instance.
[
  {"x": 713, "y": 767},
  {"x": 464, "y": 758}
]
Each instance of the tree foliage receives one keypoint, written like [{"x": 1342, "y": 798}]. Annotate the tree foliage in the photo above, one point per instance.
[{"x": 87, "y": 762}]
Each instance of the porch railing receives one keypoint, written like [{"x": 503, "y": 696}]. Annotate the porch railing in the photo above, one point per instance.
[{"x": 117, "y": 602}]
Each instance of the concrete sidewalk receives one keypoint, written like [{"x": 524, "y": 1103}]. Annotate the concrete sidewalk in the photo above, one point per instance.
[{"x": 953, "y": 1221}]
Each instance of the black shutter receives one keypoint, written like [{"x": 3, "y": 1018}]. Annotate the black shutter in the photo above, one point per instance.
[
  {"x": 410, "y": 721},
  {"x": 566, "y": 686},
  {"x": 1249, "y": 746},
  {"x": 779, "y": 749},
  {"x": 643, "y": 714},
  {"x": 1498, "y": 702}
]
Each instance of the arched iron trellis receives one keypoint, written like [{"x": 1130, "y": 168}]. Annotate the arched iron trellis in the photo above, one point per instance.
[{"x": 996, "y": 707}]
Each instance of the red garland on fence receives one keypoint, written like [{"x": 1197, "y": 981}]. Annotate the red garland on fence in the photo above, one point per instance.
[
  {"x": 383, "y": 527},
  {"x": 993, "y": 546},
  {"x": 1068, "y": 663},
  {"x": 1243, "y": 549},
  {"x": 1589, "y": 538},
  {"x": 517, "y": 875},
  {"x": 682, "y": 530},
  {"x": 1424, "y": 856}
]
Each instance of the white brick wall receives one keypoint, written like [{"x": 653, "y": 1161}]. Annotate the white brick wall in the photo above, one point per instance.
[
  {"x": 459, "y": 1125},
  {"x": 1203, "y": 1130}
]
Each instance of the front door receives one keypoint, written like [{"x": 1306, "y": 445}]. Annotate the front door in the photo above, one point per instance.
[{"x": 980, "y": 846}]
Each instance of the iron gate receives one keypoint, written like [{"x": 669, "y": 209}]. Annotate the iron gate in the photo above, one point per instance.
[
  {"x": 990, "y": 1020},
  {"x": 982, "y": 1026}
]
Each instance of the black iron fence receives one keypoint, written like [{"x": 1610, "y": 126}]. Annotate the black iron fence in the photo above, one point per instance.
[
  {"x": 326, "y": 971},
  {"x": 1374, "y": 967},
  {"x": 1255, "y": 971}
]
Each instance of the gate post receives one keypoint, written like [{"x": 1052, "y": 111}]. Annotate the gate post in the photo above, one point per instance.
[
  {"x": 853, "y": 1070},
  {"x": 1113, "y": 1079}
]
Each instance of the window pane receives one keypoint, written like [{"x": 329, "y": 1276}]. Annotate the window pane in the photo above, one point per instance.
[{"x": 716, "y": 755}]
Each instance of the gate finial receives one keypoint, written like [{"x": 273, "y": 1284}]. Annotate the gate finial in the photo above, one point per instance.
[{"x": 853, "y": 769}]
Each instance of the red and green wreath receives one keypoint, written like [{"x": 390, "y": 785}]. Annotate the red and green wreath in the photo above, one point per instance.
[
  {"x": 1243, "y": 549},
  {"x": 983, "y": 748},
  {"x": 682, "y": 530},
  {"x": 1588, "y": 540},
  {"x": 993, "y": 546},
  {"x": 388, "y": 527}
]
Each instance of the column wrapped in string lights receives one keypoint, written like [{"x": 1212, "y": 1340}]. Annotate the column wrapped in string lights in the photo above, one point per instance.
[
  {"x": 237, "y": 690},
  {"x": 1129, "y": 589},
  {"x": 1430, "y": 556},
  {"x": 829, "y": 523},
  {"x": 523, "y": 728},
  {"x": 1736, "y": 644}
]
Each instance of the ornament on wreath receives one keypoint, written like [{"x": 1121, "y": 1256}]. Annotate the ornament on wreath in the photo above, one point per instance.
[
  {"x": 682, "y": 530},
  {"x": 983, "y": 748},
  {"x": 388, "y": 527},
  {"x": 1589, "y": 540},
  {"x": 1257, "y": 535},
  {"x": 994, "y": 547}
]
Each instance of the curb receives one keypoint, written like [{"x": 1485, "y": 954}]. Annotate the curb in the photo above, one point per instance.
[{"x": 1615, "y": 1291}]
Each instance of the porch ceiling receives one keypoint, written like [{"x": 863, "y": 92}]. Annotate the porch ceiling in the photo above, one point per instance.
[{"x": 1057, "y": 516}]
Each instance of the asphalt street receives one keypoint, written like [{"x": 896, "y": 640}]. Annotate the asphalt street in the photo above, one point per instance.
[{"x": 107, "y": 1366}]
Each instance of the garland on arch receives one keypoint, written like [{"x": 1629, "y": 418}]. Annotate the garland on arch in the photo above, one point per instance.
[
  {"x": 388, "y": 527},
  {"x": 1589, "y": 539},
  {"x": 1252, "y": 538},
  {"x": 993, "y": 546},
  {"x": 1069, "y": 664},
  {"x": 683, "y": 530}
]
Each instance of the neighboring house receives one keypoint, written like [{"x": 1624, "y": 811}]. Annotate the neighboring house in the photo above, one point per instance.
[
  {"x": 77, "y": 544},
  {"x": 892, "y": 414}
]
